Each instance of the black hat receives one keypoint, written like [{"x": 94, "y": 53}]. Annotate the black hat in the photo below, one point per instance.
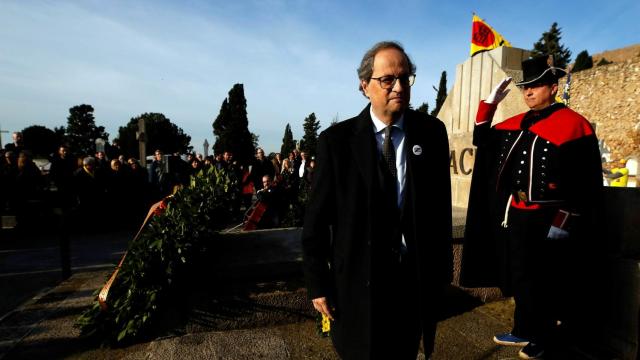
[{"x": 540, "y": 69}]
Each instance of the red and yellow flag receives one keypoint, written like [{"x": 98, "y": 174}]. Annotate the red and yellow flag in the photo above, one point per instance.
[{"x": 483, "y": 37}]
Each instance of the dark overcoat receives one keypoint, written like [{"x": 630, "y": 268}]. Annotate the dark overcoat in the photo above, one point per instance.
[{"x": 346, "y": 240}]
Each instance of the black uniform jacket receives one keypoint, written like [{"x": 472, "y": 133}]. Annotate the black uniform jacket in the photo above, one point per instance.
[
  {"x": 348, "y": 252},
  {"x": 561, "y": 169}
]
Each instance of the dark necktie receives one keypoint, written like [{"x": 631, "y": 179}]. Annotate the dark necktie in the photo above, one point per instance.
[{"x": 388, "y": 151}]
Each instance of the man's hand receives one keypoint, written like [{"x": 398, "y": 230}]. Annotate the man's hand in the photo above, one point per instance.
[
  {"x": 322, "y": 306},
  {"x": 499, "y": 92},
  {"x": 610, "y": 175}
]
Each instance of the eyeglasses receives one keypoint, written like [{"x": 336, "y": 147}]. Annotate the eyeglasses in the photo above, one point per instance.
[{"x": 389, "y": 81}]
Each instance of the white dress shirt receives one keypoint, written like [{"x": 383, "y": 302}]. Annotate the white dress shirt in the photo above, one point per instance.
[
  {"x": 397, "y": 138},
  {"x": 303, "y": 163}
]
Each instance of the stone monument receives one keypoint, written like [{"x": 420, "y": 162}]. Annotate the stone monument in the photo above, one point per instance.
[{"x": 474, "y": 80}]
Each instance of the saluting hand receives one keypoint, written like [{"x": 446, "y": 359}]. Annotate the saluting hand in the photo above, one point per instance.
[
  {"x": 499, "y": 92},
  {"x": 322, "y": 306}
]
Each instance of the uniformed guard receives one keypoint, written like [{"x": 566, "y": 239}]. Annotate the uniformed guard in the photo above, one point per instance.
[{"x": 535, "y": 193}]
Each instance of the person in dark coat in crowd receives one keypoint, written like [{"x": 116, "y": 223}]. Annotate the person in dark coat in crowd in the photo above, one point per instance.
[
  {"x": 272, "y": 196},
  {"x": 8, "y": 177},
  {"x": 276, "y": 161},
  {"x": 295, "y": 160},
  {"x": 288, "y": 181},
  {"x": 159, "y": 178},
  {"x": 17, "y": 144},
  {"x": 261, "y": 167},
  {"x": 61, "y": 174},
  {"x": 535, "y": 196},
  {"x": 139, "y": 189},
  {"x": 102, "y": 163},
  {"x": 308, "y": 177},
  {"x": 294, "y": 164},
  {"x": 119, "y": 192},
  {"x": 28, "y": 188},
  {"x": 377, "y": 231},
  {"x": 246, "y": 186},
  {"x": 90, "y": 192},
  {"x": 29, "y": 180}
]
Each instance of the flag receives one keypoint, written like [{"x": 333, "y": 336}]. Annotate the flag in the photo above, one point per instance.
[{"x": 483, "y": 37}]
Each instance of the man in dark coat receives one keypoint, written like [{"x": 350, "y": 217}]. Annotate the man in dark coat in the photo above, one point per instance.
[
  {"x": 377, "y": 230},
  {"x": 61, "y": 173},
  {"x": 17, "y": 145},
  {"x": 90, "y": 188},
  {"x": 261, "y": 167},
  {"x": 535, "y": 194}
]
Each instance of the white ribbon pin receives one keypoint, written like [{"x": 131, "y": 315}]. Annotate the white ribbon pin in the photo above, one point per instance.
[{"x": 417, "y": 150}]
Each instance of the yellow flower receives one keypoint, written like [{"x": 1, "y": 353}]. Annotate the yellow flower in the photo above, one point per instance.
[{"x": 326, "y": 324}]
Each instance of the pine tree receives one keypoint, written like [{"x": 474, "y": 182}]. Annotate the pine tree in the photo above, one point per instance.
[
  {"x": 220, "y": 128},
  {"x": 424, "y": 108},
  {"x": 287, "y": 142},
  {"x": 549, "y": 44},
  {"x": 604, "y": 61},
  {"x": 583, "y": 61},
  {"x": 82, "y": 132},
  {"x": 255, "y": 140},
  {"x": 231, "y": 127},
  {"x": 310, "y": 139},
  {"x": 442, "y": 94}
]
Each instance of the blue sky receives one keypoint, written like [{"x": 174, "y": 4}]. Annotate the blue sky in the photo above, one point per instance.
[{"x": 181, "y": 58}]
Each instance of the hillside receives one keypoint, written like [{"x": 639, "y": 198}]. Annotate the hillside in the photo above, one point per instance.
[{"x": 618, "y": 55}]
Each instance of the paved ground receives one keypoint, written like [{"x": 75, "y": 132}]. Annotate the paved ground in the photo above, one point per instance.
[
  {"x": 267, "y": 318},
  {"x": 30, "y": 261},
  {"x": 44, "y": 329}
]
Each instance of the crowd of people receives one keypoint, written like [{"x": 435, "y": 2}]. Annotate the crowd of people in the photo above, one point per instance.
[
  {"x": 279, "y": 184},
  {"x": 120, "y": 189},
  {"x": 89, "y": 187}
]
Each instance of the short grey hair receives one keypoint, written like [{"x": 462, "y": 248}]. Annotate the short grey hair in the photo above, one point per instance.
[{"x": 365, "y": 71}]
